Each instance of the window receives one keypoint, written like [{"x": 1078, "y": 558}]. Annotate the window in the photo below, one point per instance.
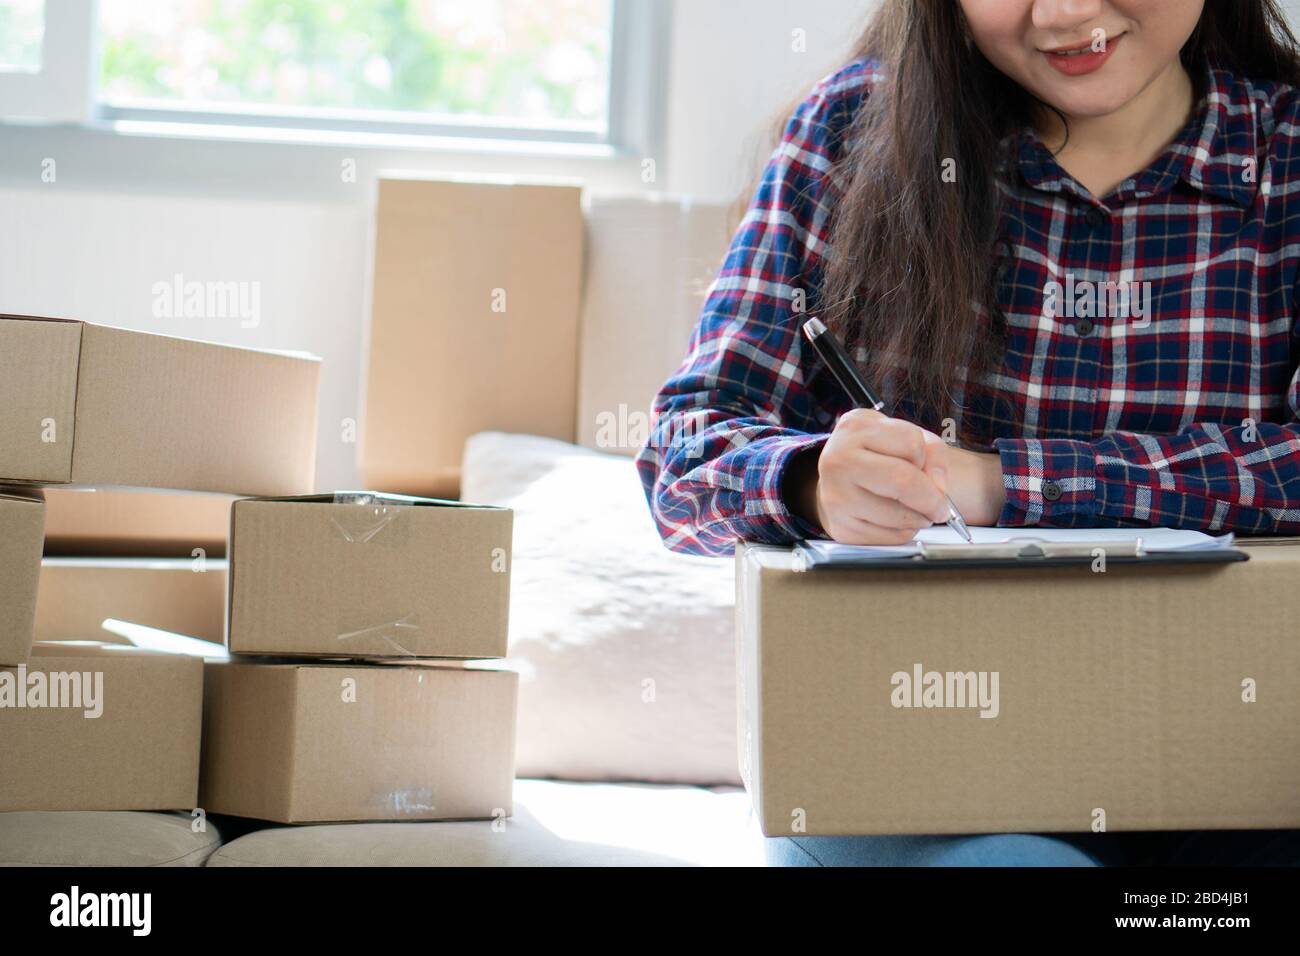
[
  {"x": 22, "y": 30},
  {"x": 554, "y": 70},
  {"x": 520, "y": 63},
  {"x": 46, "y": 59}
]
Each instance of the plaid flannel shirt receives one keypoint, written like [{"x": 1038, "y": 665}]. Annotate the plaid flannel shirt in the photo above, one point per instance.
[{"x": 1149, "y": 376}]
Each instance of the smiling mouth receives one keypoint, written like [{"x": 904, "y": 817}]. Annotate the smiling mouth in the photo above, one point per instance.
[
  {"x": 1082, "y": 49},
  {"x": 1080, "y": 59}
]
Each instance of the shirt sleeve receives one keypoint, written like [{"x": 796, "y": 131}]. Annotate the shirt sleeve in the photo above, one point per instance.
[
  {"x": 1208, "y": 477},
  {"x": 729, "y": 421}
]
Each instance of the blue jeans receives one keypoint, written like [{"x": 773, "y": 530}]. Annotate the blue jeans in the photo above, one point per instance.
[{"x": 1200, "y": 848}]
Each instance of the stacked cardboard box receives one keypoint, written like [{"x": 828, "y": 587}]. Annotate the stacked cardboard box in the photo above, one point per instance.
[
  {"x": 92, "y": 726},
  {"x": 473, "y": 326},
  {"x": 129, "y": 523},
  {"x": 78, "y": 595},
  {"x": 91, "y": 405},
  {"x": 86, "y": 724},
  {"x": 21, "y": 522},
  {"x": 351, "y": 618}
]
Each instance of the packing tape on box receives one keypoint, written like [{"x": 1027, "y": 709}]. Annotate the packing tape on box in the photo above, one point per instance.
[
  {"x": 385, "y": 632},
  {"x": 366, "y": 517},
  {"x": 369, "y": 516}
]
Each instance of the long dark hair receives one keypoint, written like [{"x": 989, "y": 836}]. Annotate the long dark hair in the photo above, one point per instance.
[{"x": 912, "y": 272}]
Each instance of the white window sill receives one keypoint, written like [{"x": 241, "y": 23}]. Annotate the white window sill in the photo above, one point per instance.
[
  {"x": 287, "y": 136},
  {"x": 284, "y": 164}
]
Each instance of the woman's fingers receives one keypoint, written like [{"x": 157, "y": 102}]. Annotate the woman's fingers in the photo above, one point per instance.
[
  {"x": 936, "y": 462},
  {"x": 861, "y": 504},
  {"x": 903, "y": 482},
  {"x": 880, "y": 480},
  {"x": 888, "y": 436},
  {"x": 857, "y": 531}
]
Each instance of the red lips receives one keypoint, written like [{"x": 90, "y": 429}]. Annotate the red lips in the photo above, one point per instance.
[{"x": 1081, "y": 60}]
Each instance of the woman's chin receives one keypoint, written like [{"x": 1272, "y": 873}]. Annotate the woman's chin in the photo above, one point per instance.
[{"x": 1087, "y": 101}]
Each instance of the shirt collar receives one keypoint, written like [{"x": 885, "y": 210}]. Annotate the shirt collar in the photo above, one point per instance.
[{"x": 1209, "y": 155}]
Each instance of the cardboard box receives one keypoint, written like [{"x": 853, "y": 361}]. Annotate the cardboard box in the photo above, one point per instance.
[
  {"x": 650, "y": 262},
  {"x": 77, "y": 594},
  {"x": 316, "y": 743},
  {"x": 91, "y": 405},
  {"x": 473, "y": 326},
  {"x": 368, "y": 576},
  {"x": 125, "y": 735},
  {"x": 1122, "y": 698},
  {"x": 21, "y": 521},
  {"x": 81, "y": 522}
]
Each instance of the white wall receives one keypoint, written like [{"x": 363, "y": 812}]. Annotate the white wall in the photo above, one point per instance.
[
  {"x": 734, "y": 73},
  {"x": 124, "y": 214},
  {"x": 1292, "y": 9},
  {"x": 97, "y": 256}
]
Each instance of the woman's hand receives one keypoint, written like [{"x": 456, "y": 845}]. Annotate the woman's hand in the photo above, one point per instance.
[{"x": 879, "y": 480}]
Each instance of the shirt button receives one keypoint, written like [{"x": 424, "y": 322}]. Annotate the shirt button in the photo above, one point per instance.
[
  {"x": 1083, "y": 328},
  {"x": 1094, "y": 217},
  {"x": 1052, "y": 491}
]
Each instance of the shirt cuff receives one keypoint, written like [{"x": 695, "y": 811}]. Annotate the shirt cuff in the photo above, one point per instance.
[
  {"x": 1051, "y": 482},
  {"x": 765, "y": 507}
]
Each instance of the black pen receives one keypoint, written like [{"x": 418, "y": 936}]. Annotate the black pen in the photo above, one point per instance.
[{"x": 832, "y": 352}]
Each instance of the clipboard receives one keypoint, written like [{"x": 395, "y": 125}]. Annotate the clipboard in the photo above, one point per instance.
[{"x": 1020, "y": 552}]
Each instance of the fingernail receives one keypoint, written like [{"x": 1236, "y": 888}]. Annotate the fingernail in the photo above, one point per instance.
[{"x": 940, "y": 476}]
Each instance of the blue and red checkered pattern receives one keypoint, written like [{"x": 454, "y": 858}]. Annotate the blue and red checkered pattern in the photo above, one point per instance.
[{"x": 1149, "y": 376}]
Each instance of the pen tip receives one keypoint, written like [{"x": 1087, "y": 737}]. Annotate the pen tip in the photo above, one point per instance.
[{"x": 958, "y": 523}]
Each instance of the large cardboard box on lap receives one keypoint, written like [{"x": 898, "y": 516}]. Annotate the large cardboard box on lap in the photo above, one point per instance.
[
  {"x": 311, "y": 743},
  {"x": 100, "y": 727},
  {"x": 361, "y": 575},
  {"x": 92, "y": 405},
  {"x": 21, "y": 527},
  {"x": 1048, "y": 699}
]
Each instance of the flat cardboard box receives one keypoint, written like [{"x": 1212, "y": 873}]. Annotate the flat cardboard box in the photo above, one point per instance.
[
  {"x": 360, "y": 575},
  {"x": 1122, "y": 697},
  {"x": 298, "y": 743},
  {"x": 21, "y": 520},
  {"x": 140, "y": 753},
  {"x": 473, "y": 325},
  {"x": 92, "y": 405},
  {"x": 650, "y": 262},
  {"x": 181, "y": 595},
  {"x": 137, "y": 523}
]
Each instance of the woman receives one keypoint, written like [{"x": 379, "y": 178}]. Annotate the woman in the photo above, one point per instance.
[{"x": 1058, "y": 235}]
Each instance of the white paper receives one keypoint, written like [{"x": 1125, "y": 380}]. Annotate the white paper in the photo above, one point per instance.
[{"x": 1153, "y": 540}]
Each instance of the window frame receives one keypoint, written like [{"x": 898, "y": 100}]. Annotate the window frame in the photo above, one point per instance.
[
  {"x": 66, "y": 90},
  {"x": 62, "y": 90}
]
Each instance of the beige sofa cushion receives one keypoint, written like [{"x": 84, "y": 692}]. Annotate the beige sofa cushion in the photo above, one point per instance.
[
  {"x": 555, "y": 824},
  {"x": 103, "y": 838},
  {"x": 650, "y": 261},
  {"x": 625, "y": 650}
]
